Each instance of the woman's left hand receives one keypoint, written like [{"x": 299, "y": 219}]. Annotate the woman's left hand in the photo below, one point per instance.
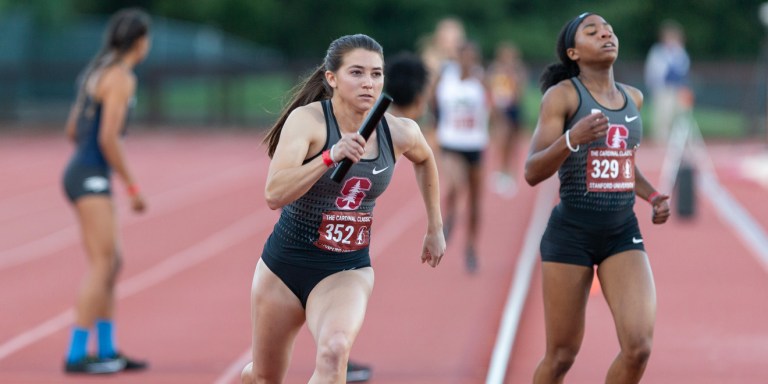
[
  {"x": 433, "y": 249},
  {"x": 660, "y": 209},
  {"x": 138, "y": 204}
]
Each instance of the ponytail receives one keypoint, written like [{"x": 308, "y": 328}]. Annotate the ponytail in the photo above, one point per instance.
[
  {"x": 103, "y": 59},
  {"x": 566, "y": 68},
  {"x": 124, "y": 29},
  {"x": 313, "y": 88},
  {"x": 557, "y": 72}
]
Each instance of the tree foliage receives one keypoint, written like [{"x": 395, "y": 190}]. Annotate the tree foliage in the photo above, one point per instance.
[{"x": 715, "y": 29}]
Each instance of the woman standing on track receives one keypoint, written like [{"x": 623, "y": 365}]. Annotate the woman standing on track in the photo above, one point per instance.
[
  {"x": 96, "y": 123},
  {"x": 588, "y": 131},
  {"x": 315, "y": 266},
  {"x": 462, "y": 131}
]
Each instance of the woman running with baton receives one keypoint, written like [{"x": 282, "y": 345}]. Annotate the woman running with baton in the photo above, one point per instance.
[{"x": 315, "y": 267}]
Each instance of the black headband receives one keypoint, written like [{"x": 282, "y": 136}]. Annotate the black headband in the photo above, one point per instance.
[{"x": 570, "y": 30}]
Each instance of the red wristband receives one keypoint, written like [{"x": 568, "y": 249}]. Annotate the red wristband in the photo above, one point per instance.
[
  {"x": 653, "y": 196},
  {"x": 133, "y": 190},
  {"x": 327, "y": 158}
]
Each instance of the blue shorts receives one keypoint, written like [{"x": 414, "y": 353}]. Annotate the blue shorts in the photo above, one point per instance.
[
  {"x": 513, "y": 115},
  {"x": 583, "y": 237},
  {"x": 80, "y": 180}
]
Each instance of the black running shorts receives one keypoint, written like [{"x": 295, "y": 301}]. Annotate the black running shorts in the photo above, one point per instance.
[
  {"x": 83, "y": 180},
  {"x": 302, "y": 270},
  {"x": 469, "y": 157},
  {"x": 583, "y": 237}
]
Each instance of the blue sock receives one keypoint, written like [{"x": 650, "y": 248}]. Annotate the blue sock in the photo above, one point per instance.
[
  {"x": 78, "y": 344},
  {"x": 105, "y": 332}
]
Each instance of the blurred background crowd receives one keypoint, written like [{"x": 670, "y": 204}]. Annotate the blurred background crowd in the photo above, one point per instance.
[{"x": 229, "y": 63}]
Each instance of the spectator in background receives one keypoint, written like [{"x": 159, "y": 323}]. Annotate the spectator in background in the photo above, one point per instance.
[
  {"x": 405, "y": 80},
  {"x": 439, "y": 49},
  {"x": 443, "y": 45},
  {"x": 461, "y": 96},
  {"x": 507, "y": 80},
  {"x": 666, "y": 75}
]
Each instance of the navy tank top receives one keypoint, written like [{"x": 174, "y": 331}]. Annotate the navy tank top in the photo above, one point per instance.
[
  {"x": 88, "y": 150},
  {"x": 333, "y": 221},
  {"x": 600, "y": 175}
]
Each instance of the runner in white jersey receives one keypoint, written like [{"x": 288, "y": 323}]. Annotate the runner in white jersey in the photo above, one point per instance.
[
  {"x": 462, "y": 132},
  {"x": 463, "y": 105}
]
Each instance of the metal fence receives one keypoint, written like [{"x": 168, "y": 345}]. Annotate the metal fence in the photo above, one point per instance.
[{"x": 191, "y": 67}]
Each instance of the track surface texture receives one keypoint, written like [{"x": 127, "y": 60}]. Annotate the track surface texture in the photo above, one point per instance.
[{"x": 183, "y": 295}]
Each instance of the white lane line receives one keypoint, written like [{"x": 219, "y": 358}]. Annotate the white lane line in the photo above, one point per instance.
[
  {"x": 728, "y": 208},
  {"x": 234, "y": 234},
  {"x": 518, "y": 292},
  {"x": 210, "y": 247},
  {"x": 394, "y": 227},
  {"x": 730, "y": 211},
  {"x": 398, "y": 224},
  {"x": 160, "y": 204},
  {"x": 39, "y": 247},
  {"x": 755, "y": 168},
  {"x": 41, "y": 331}
]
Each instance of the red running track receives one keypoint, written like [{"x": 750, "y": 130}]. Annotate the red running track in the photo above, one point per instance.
[
  {"x": 183, "y": 296},
  {"x": 711, "y": 289}
]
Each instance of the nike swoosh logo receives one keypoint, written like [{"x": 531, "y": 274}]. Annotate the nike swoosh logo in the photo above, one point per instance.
[
  {"x": 630, "y": 119},
  {"x": 377, "y": 171},
  {"x": 637, "y": 241}
]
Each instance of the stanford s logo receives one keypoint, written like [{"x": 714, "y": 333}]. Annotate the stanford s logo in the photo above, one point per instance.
[
  {"x": 353, "y": 192},
  {"x": 617, "y": 136}
]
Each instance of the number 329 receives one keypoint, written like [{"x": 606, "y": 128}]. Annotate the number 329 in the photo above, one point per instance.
[{"x": 605, "y": 169}]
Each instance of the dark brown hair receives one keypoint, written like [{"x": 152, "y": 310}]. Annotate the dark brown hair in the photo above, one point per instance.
[
  {"x": 124, "y": 29},
  {"x": 405, "y": 78},
  {"x": 314, "y": 87},
  {"x": 566, "y": 68}
]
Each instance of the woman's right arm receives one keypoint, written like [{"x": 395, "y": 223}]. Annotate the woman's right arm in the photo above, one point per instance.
[
  {"x": 548, "y": 145},
  {"x": 549, "y": 148},
  {"x": 288, "y": 178}
]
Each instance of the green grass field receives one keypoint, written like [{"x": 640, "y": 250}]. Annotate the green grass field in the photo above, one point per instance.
[
  {"x": 256, "y": 101},
  {"x": 249, "y": 101},
  {"x": 714, "y": 123}
]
